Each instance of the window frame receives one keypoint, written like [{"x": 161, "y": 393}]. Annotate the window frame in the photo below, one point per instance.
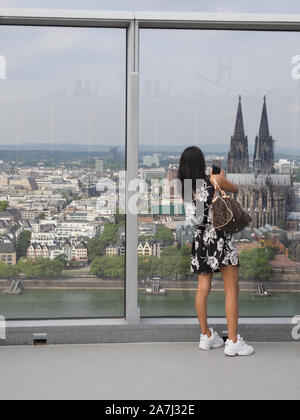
[{"x": 134, "y": 21}]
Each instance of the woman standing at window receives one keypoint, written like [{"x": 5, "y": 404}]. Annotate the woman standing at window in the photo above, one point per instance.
[{"x": 213, "y": 251}]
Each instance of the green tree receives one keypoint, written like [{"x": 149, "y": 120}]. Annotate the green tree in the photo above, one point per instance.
[
  {"x": 170, "y": 251},
  {"x": 7, "y": 271},
  {"x": 173, "y": 262},
  {"x": 146, "y": 238},
  {"x": 110, "y": 234},
  {"x": 272, "y": 249},
  {"x": 185, "y": 251},
  {"x": 40, "y": 268},
  {"x": 23, "y": 264},
  {"x": 109, "y": 267},
  {"x": 185, "y": 265},
  {"x": 53, "y": 268},
  {"x": 255, "y": 264},
  {"x": 170, "y": 266},
  {"x": 120, "y": 218},
  {"x": 164, "y": 234},
  {"x": 3, "y": 205},
  {"x": 176, "y": 261},
  {"x": 23, "y": 243},
  {"x": 62, "y": 258},
  {"x": 96, "y": 246},
  {"x": 149, "y": 267}
]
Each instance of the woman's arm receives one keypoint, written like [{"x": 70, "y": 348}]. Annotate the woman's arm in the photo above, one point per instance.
[{"x": 223, "y": 182}]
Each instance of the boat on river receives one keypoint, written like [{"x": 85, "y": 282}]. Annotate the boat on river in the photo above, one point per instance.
[
  {"x": 15, "y": 289},
  {"x": 262, "y": 291},
  {"x": 155, "y": 289}
]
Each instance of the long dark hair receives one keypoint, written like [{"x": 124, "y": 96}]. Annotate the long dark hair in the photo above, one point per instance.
[{"x": 192, "y": 167}]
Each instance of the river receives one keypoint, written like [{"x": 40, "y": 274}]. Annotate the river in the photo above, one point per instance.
[{"x": 82, "y": 303}]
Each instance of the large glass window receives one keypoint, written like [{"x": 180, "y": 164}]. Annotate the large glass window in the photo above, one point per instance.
[
  {"x": 62, "y": 130},
  {"x": 235, "y": 94}
]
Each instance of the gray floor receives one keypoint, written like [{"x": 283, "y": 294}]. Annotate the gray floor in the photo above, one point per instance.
[{"x": 148, "y": 371}]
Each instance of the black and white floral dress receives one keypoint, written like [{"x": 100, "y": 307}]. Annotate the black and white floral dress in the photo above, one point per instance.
[{"x": 211, "y": 249}]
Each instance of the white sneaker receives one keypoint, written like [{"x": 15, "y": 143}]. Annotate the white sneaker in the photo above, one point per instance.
[
  {"x": 213, "y": 342},
  {"x": 240, "y": 348}
]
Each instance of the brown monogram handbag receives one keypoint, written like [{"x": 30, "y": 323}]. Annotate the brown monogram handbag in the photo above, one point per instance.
[{"x": 227, "y": 213}]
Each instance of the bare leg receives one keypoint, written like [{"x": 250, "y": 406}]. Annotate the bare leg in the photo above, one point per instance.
[
  {"x": 204, "y": 286},
  {"x": 231, "y": 287}
]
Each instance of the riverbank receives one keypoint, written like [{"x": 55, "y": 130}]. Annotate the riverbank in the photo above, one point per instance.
[
  {"x": 182, "y": 285},
  {"x": 218, "y": 287}
]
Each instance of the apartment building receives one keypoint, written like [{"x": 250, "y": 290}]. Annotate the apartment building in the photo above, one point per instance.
[
  {"x": 73, "y": 252},
  {"x": 8, "y": 254},
  {"x": 43, "y": 238},
  {"x": 67, "y": 230},
  {"x": 118, "y": 249}
]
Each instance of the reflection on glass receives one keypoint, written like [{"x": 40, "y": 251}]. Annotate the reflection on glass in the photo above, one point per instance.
[
  {"x": 62, "y": 125},
  {"x": 236, "y": 96}
]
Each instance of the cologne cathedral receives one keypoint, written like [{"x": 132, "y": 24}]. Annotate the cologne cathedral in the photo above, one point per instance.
[{"x": 264, "y": 194}]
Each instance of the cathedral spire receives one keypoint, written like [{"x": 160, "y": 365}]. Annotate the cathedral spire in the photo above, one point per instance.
[
  {"x": 264, "y": 132},
  {"x": 238, "y": 156},
  {"x": 239, "y": 131},
  {"x": 263, "y": 160}
]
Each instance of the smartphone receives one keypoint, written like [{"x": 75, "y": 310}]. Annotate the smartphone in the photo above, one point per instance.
[{"x": 216, "y": 167}]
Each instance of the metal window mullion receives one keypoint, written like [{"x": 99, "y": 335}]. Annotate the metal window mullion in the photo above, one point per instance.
[
  {"x": 166, "y": 20},
  {"x": 132, "y": 155},
  {"x": 74, "y": 18}
]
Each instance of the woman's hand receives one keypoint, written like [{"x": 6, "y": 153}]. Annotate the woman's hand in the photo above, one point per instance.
[
  {"x": 222, "y": 173},
  {"x": 226, "y": 185}
]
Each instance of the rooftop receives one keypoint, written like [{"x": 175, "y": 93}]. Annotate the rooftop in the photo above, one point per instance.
[
  {"x": 7, "y": 247},
  {"x": 282, "y": 260},
  {"x": 249, "y": 179},
  {"x": 294, "y": 215}
]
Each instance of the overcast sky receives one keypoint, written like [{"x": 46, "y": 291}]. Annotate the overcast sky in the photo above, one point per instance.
[{"x": 66, "y": 85}]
